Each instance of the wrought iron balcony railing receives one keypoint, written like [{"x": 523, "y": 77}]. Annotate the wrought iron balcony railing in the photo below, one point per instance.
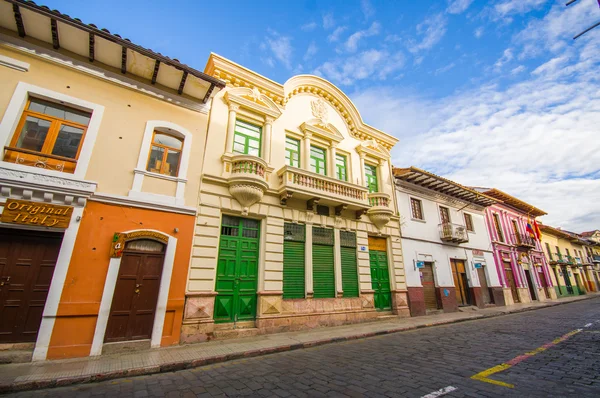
[{"x": 523, "y": 240}]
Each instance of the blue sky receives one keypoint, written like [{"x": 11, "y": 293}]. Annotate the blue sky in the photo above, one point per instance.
[{"x": 489, "y": 93}]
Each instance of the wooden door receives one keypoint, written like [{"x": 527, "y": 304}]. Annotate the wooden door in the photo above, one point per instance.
[
  {"x": 529, "y": 278},
  {"x": 27, "y": 262},
  {"x": 485, "y": 290},
  {"x": 543, "y": 282},
  {"x": 511, "y": 282},
  {"x": 136, "y": 292},
  {"x": 237, "y": 270},
  {"x": 567, "y": 278},
  {"x": 380, "y": 279},
  {"x": 460, "y": 282},
  {"x": 428, "y": 282}
]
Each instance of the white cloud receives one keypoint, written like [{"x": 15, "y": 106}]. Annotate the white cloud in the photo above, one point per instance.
[
  {"x": 367, "y": 9},
  {"x": 518, "y": 70},
  {"x": 458, "y": 6},
  {"x": 369, "y": 64},
  {"x": 393, "y": 38},
  {"x": 351, "y": 44},
  {"x": 479, "y": 32},
  {"x": 335, "y": 35},
  {"x": 281, "y": 48},
  {"x": 506, "y": 57},
  {"x": 328, "y": 21},
  {"x": 309, "y": 27},
  {"x": 444, "y": 69},
  {"x": 432, "y": 29},
  {"x": 310, "y": 51},
  {"x": 511, "y": 7}
]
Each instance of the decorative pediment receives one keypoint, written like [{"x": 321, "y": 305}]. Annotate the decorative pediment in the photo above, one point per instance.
[
  {"x": 252, "y": 100},
  {"x": 328, "y": 132},
  {"x": 373, "y": 149}
]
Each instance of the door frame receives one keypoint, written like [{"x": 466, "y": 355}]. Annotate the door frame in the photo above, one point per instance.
[{"x": 163, "y": 293}]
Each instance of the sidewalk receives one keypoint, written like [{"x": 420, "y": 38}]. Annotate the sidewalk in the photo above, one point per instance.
[{"x": 27, "y": 376}]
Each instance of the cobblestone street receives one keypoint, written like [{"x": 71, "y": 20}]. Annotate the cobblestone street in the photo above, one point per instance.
[{"x": 411, "y": 364}]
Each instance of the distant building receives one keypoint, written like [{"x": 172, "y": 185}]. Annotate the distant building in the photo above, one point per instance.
[{"x": 448, "y": 255}]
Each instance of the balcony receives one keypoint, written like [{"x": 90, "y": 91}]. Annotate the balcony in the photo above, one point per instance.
[
  {"x": 595, "y": 259},
  {"x": 523, "y": 240},
  {"x": 380, "y": 212},
  {"x": 304, "y": 184},
  {"x": 247, "y": 177},
  {"x": 27, "y": 157},
  {"x": 455, "y": 233}
]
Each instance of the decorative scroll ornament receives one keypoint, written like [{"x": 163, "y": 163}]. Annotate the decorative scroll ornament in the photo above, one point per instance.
[{"x": 320, "y": 111}]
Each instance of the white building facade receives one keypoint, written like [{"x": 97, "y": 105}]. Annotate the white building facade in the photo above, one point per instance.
[{"x": 446, "y": 245}]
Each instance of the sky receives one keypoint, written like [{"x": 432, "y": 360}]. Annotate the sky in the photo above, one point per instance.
[{"x": 492, "y": 93}]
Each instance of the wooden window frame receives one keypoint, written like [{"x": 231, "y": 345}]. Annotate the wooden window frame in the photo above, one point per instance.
[
  {"x": 247, "y": 138},
  {"x": 498, "y": 225},
  {"x": 549, "y": 251},
  {"x": 324, "y": 160},
  {"x": 419, "y": 202},
  {"x": 339, "y": 167},
  {"x": 469, "y": 224},
  {"x": 165, "y": 154},
  {"x": 442, "y": 217},
  {"x": 52, "y": 136},
  {"x": 371, "y": 179},
  {"x": 290, "y": 151}
]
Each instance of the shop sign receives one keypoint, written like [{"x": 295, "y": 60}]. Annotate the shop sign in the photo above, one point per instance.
[
  {"x": 36, "y": 213},
  {"x": 420, "y": 264},
  {"x": 119, "y": 239},
  {"x": 478, "y": 253},
  {"x": 478, "y": 265}
]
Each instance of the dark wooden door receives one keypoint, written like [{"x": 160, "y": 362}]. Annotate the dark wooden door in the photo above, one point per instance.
[
  {"x": 530, "y": 284},
  {"x": 544, "y": 284},
  {"x": 485, "y": 290},
  {"x": 135, "y": 298},
  {"x": 460, "y": 282},
  {"x": 511, "y": 282},
  {"x": 27, "y": 262},
  {"x": 567, "y": 278},
  {"x": 428, "y": 282}
]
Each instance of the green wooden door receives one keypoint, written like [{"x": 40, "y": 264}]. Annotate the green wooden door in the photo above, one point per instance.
[
  {"x": 293, "y": 261},
  {"x": 380, "y": 279},
  {"x": 323, "y": 265},
  {"x": 349, "y": 266},
  {"x": 237, "y": 270}
]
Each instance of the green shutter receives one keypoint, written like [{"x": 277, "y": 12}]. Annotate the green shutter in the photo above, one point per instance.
[
  {"x": 323, "y": 267},
  {"x": 293, "y": 261},
  {"x": 349, "y": 272}
]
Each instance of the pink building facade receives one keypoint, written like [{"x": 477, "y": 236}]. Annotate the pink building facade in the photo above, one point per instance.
[{"x": 522, "y": 267}]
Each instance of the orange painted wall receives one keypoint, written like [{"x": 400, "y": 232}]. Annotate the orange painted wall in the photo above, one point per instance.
[{"x": 80, "y": 301}]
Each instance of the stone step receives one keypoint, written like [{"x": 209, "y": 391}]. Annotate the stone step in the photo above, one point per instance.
[
  {"x": 235, "y": 325},
  {"x": 470, "y": 308},
  {"x": 15, "y": 356},
  {"x": 224, "y": 334}
]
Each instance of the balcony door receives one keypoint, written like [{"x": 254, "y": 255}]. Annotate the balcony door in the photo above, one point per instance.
[{"x": 444, "y": 215}]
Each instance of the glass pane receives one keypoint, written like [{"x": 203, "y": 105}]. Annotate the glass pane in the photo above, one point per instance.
[
  {"x": 168, "y": 140},
  {"x": 172, "y": 163},
  {"x": 231, "y": 221},
  {"x": 253, "y": 152},
  {"x": 347, "y": 239},
  {"x": 145, "y": 245},
  {"x": 155, "y": 160},
  {"x": 247, "y": 129},
  {"x": 33, "y": 134},
  {"x": 68, "y": 141},
  {"x": 239, "y": 148},
  {"x": 239, "y": 139},
  {"x": 293, "y": 232},
  {"x": 59, "y": 111},
  {"x": 317, "y": 152},
  {"x": 322, "y": 236}
]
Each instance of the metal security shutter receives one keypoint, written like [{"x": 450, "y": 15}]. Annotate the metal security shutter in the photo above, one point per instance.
[
  {"x": 349, "y": 267},
  {"x": 323, "y": 268},
  {"x": 293, "y": 261}
]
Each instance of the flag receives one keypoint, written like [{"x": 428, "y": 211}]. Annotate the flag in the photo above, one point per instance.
[
  {"x": 529, "y": 229},
  {"x": 536, "y": 227}
]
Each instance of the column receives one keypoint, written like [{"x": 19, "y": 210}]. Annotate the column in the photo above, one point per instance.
[
  {"x": 380, "y": 169},
  {"x": 306, "y": 160},
  {"x": 233, "y": 108},
  {"x": 362, "y": 169},
  {"x": 308, "y": 265},
  {"x": 337, "y": 262},
  {"x": 266, "y": 155},
  {"x": 331, "y": 168}
]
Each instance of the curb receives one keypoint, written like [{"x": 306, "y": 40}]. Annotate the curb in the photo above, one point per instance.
[{"x": 194, "y": 363}]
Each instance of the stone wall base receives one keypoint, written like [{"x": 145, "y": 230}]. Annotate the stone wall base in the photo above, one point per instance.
[
  {"x": 524, "y": 295},
  {"x": 447, "y": 296},
  {"x": 477, "y": 296},
  {"x": 196, "y": 332},
  {"x": 498, "y": 294},
  {"x": 290, "y": 323},
  {"x": 416, "y": 301},
  {"x": 400, "y": 303}
]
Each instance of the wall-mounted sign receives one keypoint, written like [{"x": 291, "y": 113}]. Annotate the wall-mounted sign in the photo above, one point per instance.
[
  {"x": 478, "y": 265},
  {"x": 363, "y": 248},
  {"x": 36, "y": 213},
  {"x": 478, "y": 253},
  {"x": 420, "y": 264},
  {"x": 119, "y": 240}
]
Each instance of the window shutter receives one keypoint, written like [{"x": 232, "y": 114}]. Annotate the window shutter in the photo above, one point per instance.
[
  {"x": 323, "y": 267},
  {"x": 349, "y": 266},
  {"x": 293, "y": 261}
]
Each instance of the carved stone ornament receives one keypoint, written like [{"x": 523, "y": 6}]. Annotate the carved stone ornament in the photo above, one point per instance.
[
  {"x": 247, "y": 194},
  {"x": 380, "y": 216},
  {"x": 320, "y": 110}
]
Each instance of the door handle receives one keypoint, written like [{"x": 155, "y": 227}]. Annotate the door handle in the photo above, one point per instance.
[
  {"x": 137, "y": 291},
  {"x": 138, "y": 285}
]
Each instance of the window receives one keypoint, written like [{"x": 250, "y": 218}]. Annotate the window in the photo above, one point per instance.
[
  {"x": 50, "y": 129},
  {"x": 417, "y": 209},
  {"x": 165, "y": 154},
  {"x": 350, "y": 284},
  {"x": 498, "y": 227},
  {"x": 469, "y": 222},
  {"x": 444, "y": 214},
  {"x": 516, "y": 230},
  {"x": 294, "y": 238},
  {"x": 371, "y": 178},
  {"x": 318, "y": 164},
  {"x": 292, "y": 152},
  {"x": 549, "y": 251},
  {"x": 341, "y": 167},
  {"x": 246, "y": 139}
]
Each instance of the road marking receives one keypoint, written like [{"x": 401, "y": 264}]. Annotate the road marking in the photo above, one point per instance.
[
  {"x": 483, "y": 376},
  {"x": 440, "y": 392},
  {"x": 588, "y": 325}
]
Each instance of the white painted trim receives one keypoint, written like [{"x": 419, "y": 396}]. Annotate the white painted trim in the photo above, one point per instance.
[
  {"x": 15, "y": 109},
  {"x": 140, "y": 171},
  {"x": 14, "y": 63},
  {"x": 145, "y": 202},
  {"x": 56, "y": 286},
  {"x": 109, "y": 290}
]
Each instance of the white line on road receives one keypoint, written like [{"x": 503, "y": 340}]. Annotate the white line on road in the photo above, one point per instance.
[
  {"x": 588, "y": 325},
  {"x": 440, "y": 392}
]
